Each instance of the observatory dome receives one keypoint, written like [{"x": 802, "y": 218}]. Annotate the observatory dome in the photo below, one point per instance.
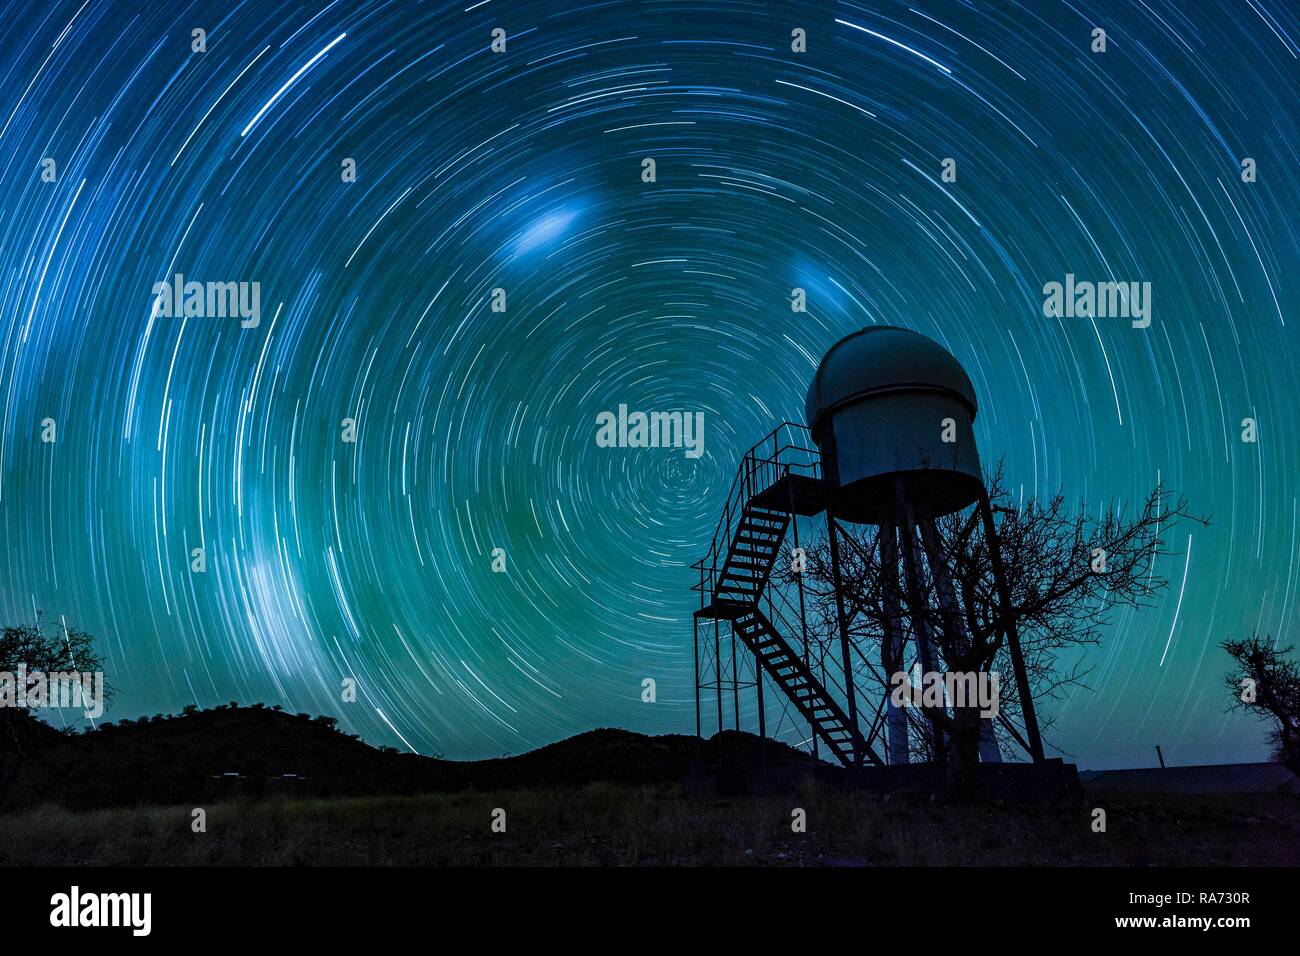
[
  {"x": 891, "y": 412},
  {"x": 884, "y": 358}
]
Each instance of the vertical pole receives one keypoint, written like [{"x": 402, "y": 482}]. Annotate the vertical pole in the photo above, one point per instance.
[
  {"x": 735, "y": 679},
  {"x": 803, "y": 614},
  {"x": 894, "y": 644},
  {"x": 758, "y": 685},
  {"x": 762, "y": 716},
  {"x": 705, "y": 597},
  {"x": 907, "y": 543},
  {"x": 821, "y": 663},
  {"x": 850, "y": 695},
  {"x": 1005, "y": 612},
  {"x": 717, "y": 668},
  {"x": 695, "y": 641},
  {"x": 989, "y": 750}
]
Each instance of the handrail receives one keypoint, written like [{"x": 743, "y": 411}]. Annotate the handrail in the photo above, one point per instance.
[
  {"x": 757, "y": 471},
  {"x": 787, "y": 630}
]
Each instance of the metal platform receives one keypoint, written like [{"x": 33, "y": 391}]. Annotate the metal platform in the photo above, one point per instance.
[
  {"x": 722, "y": 610},
  {"x": 794, "y": 493}
]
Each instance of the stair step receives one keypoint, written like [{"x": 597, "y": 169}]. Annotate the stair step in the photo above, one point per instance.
[
  {"x": 762, "y": 526},
  {"x": 789, "y": 671}
]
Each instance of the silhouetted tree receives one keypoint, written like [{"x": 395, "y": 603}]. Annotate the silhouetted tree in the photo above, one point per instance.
[
  {"x": 1266, "y": 684},
  {"x": 1065, "y": 571},
  {"x": 47, "y": 649},
  {"x": 40, "y": 648}
]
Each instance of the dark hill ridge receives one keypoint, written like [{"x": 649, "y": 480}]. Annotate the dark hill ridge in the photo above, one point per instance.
[{"x": 178, "y": 760}]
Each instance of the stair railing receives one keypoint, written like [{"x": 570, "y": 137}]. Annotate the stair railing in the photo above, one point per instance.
[
  {"x": 778, "y": 604},
  {"x": 787, "y": 449}
]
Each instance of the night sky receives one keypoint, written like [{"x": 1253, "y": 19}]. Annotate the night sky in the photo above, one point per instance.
[{"x": 522, "y": 170}]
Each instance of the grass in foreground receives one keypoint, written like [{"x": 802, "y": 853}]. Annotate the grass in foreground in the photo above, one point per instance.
[{"x": 610, "y": 825}]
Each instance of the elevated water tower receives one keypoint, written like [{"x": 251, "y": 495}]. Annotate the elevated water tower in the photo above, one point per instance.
[{"x": 891, "y": 415}]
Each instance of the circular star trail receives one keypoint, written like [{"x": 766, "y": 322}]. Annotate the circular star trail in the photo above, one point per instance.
[{"x": 128, "y": 157}]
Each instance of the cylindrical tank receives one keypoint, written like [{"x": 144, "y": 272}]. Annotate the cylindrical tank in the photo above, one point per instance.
[{"x": 889, "y": 403}]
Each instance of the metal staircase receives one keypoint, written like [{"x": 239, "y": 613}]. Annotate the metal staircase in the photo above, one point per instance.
[
  {"x": 779, "y": 478},
  {"x": 789, "y": 672},
  {"x": 749, "y": 561}
]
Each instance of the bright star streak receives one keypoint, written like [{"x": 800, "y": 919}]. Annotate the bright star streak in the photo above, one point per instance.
[
  {"x": 280, "y": 92},
  {"x": 901, "y": 46}
]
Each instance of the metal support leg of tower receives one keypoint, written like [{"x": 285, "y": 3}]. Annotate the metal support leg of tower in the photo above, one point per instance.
[
  {"x": 803, "y": 613},
  {"x": 832, "y": 532},
  {"x": 735, "y": 683},
  {"x": 894, "y": 644},
  {"x": 696, "y": 643},
  {"x": 907, "y": 544},
  {"x": 717, "y": 668},
  {"x": 1005, "y": 610},
  {"x": 762, "y": 716}
]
